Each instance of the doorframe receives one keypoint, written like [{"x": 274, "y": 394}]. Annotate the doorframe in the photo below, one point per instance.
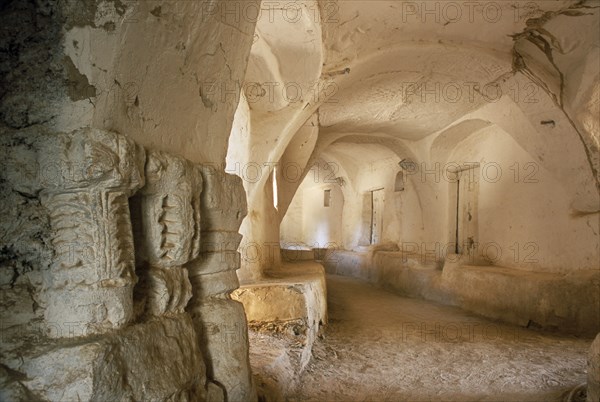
[
  {"x": 372, "y": 191},
  {"x": 455, "y": 195}
]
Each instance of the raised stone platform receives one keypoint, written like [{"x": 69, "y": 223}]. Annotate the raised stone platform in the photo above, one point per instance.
[
  {"x": 292, "y": 299},
  {"x": 297, "y": 253},
  {"x": 564, "y": 302},
  {"x": 285, "y": 312}
]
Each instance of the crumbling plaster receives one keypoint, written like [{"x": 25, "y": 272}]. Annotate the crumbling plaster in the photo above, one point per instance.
[{"x": 169, "y": 48}]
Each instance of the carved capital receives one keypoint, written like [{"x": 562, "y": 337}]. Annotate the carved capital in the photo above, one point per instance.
[
  {"x": 170, "y": 211},
  {"x": 90, "y": 159},
  {"x": 167, "y": 232},
  {"x": 86, "y": 178}
]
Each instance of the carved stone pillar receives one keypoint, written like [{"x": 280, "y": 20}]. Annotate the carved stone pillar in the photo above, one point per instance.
[
  {"x": 87, "y": 177},
  {"x": 221, "y": 322},
  {"x": 166, "y": 217}
]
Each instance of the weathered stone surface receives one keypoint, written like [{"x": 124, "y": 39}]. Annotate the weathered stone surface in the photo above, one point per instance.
[
  {"x": 19, "y": 160},
  {"x": 350, "y": 263},
  {"x": 294, "y": 293},
  {"x": 213, "y": 285},
  {"x": 223, "y": 331},
  {"x": 220, "y": 241},
  {"x": 90, "y": 159},
  {"x": 76, "y": 185},
  {"x": 567, "y": 302},
  {"x": 11, "y": 388},
  {"x": 220, "y": 321},
  {"x": 87, "y": 187},
  {"x": 212, "y": 263},
  {"x": 219, "y": 253},
  {"x": 68, "y": 65},
  {"x": 271, "y": 301},
  {"x": 166, "y": 220},
  {"x": 169, "y": 76},
  {"x": 26, "y": 253},
  {"x": 32, "y": 73},
  {"x": 25, "y": 246},
  {"x": 297, "y": 254},
  {"x": 143, "y": 362},
  {"x": 214, "y": 393},
  {"x": 85, "y": 191},
  {"x": 223, "y": 200},
  {"x": 162, "y": 291},
  {"x": 593, "y": 383},
  {"x": 86, "y": 178},
  {"x": 170, "y": 208}
]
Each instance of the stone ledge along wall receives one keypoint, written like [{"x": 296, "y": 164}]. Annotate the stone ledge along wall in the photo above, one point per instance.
[
  {"x": 116, "y": 269},
  {"x": 568, "y": 303}
]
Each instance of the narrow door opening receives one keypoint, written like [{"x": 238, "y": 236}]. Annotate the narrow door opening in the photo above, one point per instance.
[
  {"x": 457, "y": 238},
  {"x": 465, "y": 222},
  {"x": 376, "y": 215},
  {"x": 275, "y": 189}
]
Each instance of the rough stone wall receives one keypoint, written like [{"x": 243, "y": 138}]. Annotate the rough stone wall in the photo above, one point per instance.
[
  {"x": 220, "y": 321},
  {"x": 167, "y": 227},
  {"x": 568, "y": 302},
  {"x": 166, "y": 73},
  {"x": 104, "y": 222},
  {"x": 111, "y": 304},
  {"x": 593, "y": 384}
]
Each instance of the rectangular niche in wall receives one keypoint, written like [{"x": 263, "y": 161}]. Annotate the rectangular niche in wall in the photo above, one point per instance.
[
  {"x": 399, "y": 183},
  {"x": 327, "y": 198}
]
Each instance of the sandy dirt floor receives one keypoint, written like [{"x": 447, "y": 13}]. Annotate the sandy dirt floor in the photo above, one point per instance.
[{"x": 379, "y": 346}]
